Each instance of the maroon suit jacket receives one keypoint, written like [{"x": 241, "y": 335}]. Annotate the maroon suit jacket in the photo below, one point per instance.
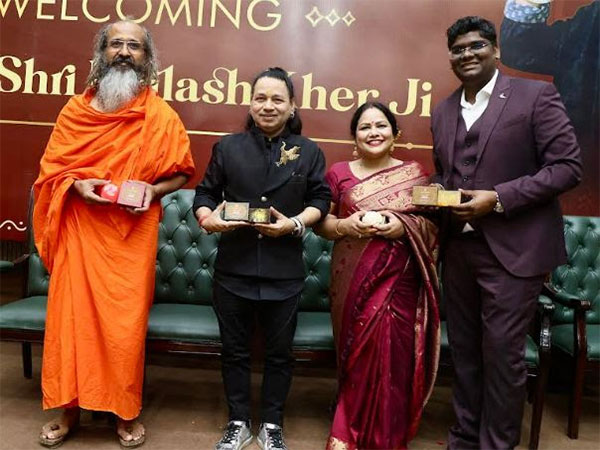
[{"x": 528, "y": 153}]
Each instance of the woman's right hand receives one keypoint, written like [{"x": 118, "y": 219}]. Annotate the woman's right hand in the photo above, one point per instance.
[
  {"x": 213, "y": 222},
  {"x": 353, "y": 226}
]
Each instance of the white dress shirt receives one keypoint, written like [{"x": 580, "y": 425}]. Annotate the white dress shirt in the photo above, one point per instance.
[{"x": 472, "y": 112}]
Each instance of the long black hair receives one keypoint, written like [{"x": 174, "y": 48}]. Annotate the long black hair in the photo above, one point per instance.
[{"x": 294, "y": 123}]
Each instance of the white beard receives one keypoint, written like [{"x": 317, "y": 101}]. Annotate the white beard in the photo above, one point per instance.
[{"x": 117, "y": 88}]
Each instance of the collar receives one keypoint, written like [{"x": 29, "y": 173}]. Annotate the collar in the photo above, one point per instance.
[
  {"x": 484, "y": 93},
  {"x": 258, "y": 132}
]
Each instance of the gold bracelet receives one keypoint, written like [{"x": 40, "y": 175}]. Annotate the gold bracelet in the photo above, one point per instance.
[{"x": 337, "y": 231}]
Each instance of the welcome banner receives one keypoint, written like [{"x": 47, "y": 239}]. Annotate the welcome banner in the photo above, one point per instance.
[{"x": 341, "y": 53}]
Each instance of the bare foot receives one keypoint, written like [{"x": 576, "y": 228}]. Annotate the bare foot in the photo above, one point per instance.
[
  {"x": 131, "y": 432},
  {"x": 58, "y": 428}
]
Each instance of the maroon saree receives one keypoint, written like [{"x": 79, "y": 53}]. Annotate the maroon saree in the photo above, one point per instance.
[{"x": 384, "y": 312}]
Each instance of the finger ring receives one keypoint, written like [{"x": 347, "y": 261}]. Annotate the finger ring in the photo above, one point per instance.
[{"x": 359, "y": 236}]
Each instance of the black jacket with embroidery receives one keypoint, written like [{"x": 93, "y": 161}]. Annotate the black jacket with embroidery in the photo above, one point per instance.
[{"x": 241, "y": 169}]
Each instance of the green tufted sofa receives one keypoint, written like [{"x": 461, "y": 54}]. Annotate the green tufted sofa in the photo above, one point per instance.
[
  {"x": 575, "y": 289},
  {"x": 181, "y": 319}
]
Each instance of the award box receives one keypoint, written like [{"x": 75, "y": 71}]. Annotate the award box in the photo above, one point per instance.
[
  {"x": 131, "y": 194},
  {"x": 434, "y": 196}
]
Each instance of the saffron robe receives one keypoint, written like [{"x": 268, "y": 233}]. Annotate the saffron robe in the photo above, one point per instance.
[{"x": 102, "y": 258}]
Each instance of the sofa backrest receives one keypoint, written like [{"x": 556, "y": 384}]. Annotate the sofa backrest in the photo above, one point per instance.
[
  {"x": 185, "y": 256},
  {"x": 317, "y": 262},
  {"x": 185, "y": 259},
  {"x": 581, "y": 275},
  {"x": 38, "y": 277}
]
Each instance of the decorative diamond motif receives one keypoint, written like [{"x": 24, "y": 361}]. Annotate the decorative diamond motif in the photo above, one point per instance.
[
  {"x": 332, "y": 17},
  {"x": 349, "y": 18},
  {"x": 314, "y": 16}
]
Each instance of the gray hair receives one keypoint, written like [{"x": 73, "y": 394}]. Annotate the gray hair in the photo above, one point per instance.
[{"x": 149, "y": 71}]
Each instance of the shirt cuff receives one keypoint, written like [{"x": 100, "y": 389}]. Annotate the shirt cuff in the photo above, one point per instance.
[{"x": 526, "y": 13}]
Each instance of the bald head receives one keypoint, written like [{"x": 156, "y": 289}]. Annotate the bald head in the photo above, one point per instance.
[{"x": 128, "y": 25}]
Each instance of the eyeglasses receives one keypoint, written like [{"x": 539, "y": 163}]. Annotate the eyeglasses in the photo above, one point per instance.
[
  {"x": 132, "y": 46},
  {"x": 476, "y": 47}
]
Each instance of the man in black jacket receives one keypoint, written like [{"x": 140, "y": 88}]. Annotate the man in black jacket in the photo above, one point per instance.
[{"x": 259, "y": 269}]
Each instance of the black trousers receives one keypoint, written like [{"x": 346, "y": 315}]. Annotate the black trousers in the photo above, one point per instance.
[{"x": 277, "y": 319}]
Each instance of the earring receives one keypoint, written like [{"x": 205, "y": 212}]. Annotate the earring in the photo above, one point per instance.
[
  {"x": 398, "y": 134},
  {"x": 292, "y": 114},
  {"x": 355, "y": 153}
]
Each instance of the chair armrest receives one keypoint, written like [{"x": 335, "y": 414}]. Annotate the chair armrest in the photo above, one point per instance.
[
  {"x": 13, "y": 264},
  {"x": 21, "y": 259},
  {"x": 579, "y": 306},
  {"x": 545, "y": 312},
  {"x": 567, "y": 300},
  {"x": 17, "y": 261},
  {"x": 545, "y": 303}
]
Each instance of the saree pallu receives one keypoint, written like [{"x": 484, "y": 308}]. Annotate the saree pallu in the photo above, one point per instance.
[{"x": 385, "y": 317}]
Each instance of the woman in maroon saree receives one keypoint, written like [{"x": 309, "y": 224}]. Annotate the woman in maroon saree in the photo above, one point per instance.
[{"x": 383, "y": 291}]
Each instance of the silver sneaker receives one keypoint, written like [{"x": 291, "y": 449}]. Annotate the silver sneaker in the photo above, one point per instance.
[
  {"x": 270, "y": 437},
  {"x": 236, "y": 436}
]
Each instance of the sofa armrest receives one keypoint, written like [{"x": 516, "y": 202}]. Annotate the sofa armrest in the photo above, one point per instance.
[{"x": 567, "y": 300}]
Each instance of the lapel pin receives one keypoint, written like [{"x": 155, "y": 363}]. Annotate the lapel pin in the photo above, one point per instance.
[
  {"x": 288, "y": 155},
  {"x": 503, "y": 95}
]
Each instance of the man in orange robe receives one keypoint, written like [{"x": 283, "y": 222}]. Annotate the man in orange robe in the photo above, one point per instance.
[{"x": 102, "y": 256}]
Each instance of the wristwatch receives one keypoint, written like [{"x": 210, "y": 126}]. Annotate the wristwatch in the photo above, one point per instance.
[{"x": 498, "y": 206}]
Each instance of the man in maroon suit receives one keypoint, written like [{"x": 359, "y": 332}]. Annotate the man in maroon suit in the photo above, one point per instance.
[{"x": 508, "y": 144}]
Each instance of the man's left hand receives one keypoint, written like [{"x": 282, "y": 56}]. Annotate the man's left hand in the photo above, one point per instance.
[
  {"x": 479, "y": 204},
  {"x": 283, "y": 225}
]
